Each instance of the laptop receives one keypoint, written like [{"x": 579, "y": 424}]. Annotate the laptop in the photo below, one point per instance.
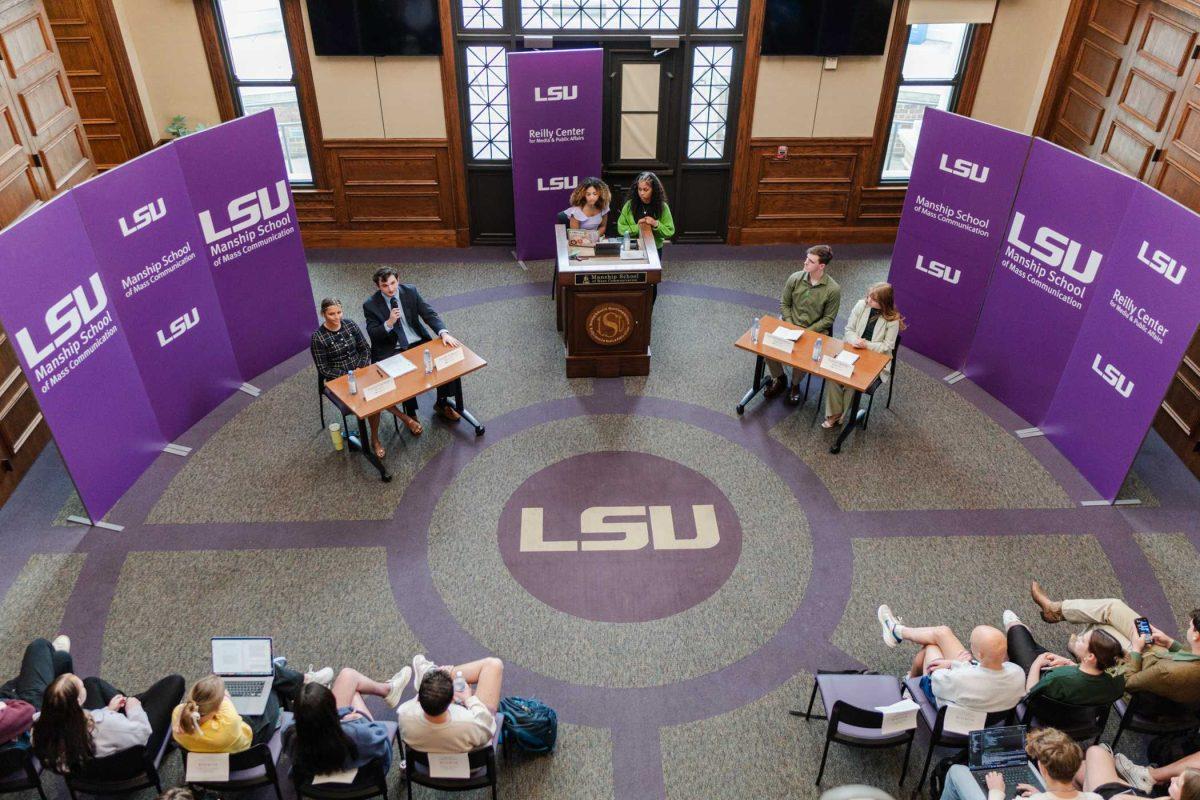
[
  {"x": 245, "y": 664},
  {"x": 1001, "y": 750}
]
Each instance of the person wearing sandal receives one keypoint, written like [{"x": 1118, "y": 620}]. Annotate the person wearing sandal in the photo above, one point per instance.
[
  {"x": 338, "y": 346},
  {"x": 874, "y": 324},
  {"x": 396, "y": 318}
]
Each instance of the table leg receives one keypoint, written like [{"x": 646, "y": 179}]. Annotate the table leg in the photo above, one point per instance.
[
  {"x": 759, "y": 367},
  {"x": 462, "y": 410},
  {"x": 368, "y": 451},
  {"x": 848, "y": 427}
]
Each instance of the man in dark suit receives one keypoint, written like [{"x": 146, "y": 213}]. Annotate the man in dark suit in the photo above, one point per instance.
[{"x": 397, "y": 317}]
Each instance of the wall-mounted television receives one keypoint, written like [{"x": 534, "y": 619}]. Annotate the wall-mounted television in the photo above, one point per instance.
[
  {"x": 375, "y": 27},
  {"x": 826, "y": 27}
]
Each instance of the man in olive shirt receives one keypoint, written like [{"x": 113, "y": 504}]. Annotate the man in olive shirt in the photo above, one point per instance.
[{"x": 811, "y": 299}]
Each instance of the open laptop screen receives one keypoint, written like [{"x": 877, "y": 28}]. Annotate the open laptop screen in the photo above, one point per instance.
[
  {"x": 241, "y": 655},
  {"x": 993, "y": 748}
]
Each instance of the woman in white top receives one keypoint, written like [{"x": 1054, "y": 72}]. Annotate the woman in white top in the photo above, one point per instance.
[
  {"x": 589, "y": 206},
  {"x": 874, "y": 324}
]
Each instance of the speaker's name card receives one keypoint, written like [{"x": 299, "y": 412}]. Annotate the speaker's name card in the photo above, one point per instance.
[
  {"x": 379, "y": 389},
  {"x": 449, "y": 765},
  {"x": 899, "y": 716},
  {"x": 207, "y": 767},
  {"x": 831, "y": 364},
  {"x": 450, "y": 357},
  {"x": 771, "y": 340}
]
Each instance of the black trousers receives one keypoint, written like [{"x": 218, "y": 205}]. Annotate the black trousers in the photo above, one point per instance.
[
  {"x": 1023, "y": 649},
  {"x": 158, "y": 702},
  {"x": 284, "y": 689},
  {"x": 40, "y": 665}
]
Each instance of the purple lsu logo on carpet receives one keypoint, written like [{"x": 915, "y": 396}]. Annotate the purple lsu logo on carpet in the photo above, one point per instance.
[{"x": 619, "y": 536}]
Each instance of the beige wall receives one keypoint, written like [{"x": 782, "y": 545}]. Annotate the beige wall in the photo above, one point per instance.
[
  {"x": 167, "y": 57},
  {"x": 797, "y": 98},
  {"x": 1024, "y": 38}
]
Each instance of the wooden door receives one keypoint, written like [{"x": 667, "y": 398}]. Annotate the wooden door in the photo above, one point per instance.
[
  {"x": 1178, "y": 420},
  {"x": 93, "y": 53}
]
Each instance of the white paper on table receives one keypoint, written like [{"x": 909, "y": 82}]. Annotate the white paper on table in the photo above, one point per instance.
[
  {"x": 831, "y": 364},
  {"x": 771, "y": 340},
  {"x": 451, "y": 356},
  {"x": 846, "y": 357},
  {"x": 963, "y": 720},
  {"x": 379, "y": 389},
  {"x": 899, "y": 716},
  {"x": 791, "y": 334},
  {"x": 207, "y": 768},
  {"x": 396, "y": 366},
  {"x": 449, "y": 765},
  {"x": 345, "y": 776}
]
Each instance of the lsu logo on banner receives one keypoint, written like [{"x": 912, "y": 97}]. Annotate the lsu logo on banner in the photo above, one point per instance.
[
  {"x": 634, "y": 534},
  {"x": 555, "y": 93},
  {"x": 965, "y": 169},
  {"x": 143, "y": 217},
  {"x": 1163, "y": 264},
  {"x": 557, "y": 184},
  {"x": 1112, "y": 376},
  {"x": 938, "y": 270},
  {"x": 247, "y": 211},
  {"x": 1055, "y": 249},
  {"x": 64, "y": 319},
  {"x": 179, "y": 327}
]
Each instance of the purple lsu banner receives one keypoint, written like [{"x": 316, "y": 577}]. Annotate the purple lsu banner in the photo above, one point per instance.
[
  {"x": 964, "y": 177},
  {"x": 238, "y": 185},
  {"x": 72, "y": 347},
  {"x": 1057, "y": 245},
  {"x": 1133, "y": 337},
  {"x": 555, "y": 102},
  {"x": 152, "y": 260}
]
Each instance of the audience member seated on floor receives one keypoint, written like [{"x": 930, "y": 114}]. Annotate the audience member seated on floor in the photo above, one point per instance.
[
  {"x": 1056, "y": 758},
  {"x": 980, "y": 679},
  {"x": 339, "y": 346},
  {"x": 1112, "y": 777},
  {"x": 334, "y": 729},
  {"x": 90, "y": 718},
  {"x": 442, "y": 720},
  {"x": 22, "y": 696},
  {"x": 207, "y": 722},
  {"x": 874, "y": 324},
  {"x": 811, "y": 299},
  {"x": 1088, "y": 683},
  {"x": 1168, "y": 668}
]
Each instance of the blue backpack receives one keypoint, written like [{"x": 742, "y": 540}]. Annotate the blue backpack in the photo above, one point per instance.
[{"x": 529, "y": 723}]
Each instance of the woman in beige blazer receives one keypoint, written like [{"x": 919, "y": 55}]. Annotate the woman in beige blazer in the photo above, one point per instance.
[{"x": 874, "y": 324}]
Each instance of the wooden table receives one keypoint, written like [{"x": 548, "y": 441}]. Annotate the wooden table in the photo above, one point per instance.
[
  {"x": 603, "y": 305},
  {"x": 408, "y": 386},
  {"x": 867, "y": 369}
]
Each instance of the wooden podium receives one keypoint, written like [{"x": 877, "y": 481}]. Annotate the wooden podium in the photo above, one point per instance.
[{"x": 603, "y": 307}]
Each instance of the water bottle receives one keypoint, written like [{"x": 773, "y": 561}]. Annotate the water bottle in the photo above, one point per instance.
[
  {"x": 428, "y": 361},
  {"x": 353, "y": 382},
  {"x": 460, "y": 683},
  {"x": 754, "y": 331},
  {"x": 817, "y": 350}
]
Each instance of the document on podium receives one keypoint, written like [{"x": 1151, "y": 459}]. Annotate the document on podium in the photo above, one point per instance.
[{"x": 396, "y": 366}]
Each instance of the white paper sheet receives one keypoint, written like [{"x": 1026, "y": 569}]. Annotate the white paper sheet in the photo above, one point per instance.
[
  {"x": 846, "y": 357},
  {"x": 837, "y": 367},
  {"x": 396, "y": 366},
  {"x": 963, "y": 720},
  {"x": 207, "y": 767},
  {"x": 451, "y": 765},
  {"x": 345, "y": 776},
  {"x": 899, "y": 716},
  {"x": 792, "y": 335}
]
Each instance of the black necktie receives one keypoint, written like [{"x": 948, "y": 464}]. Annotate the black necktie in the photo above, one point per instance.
[{"x": 401, "y": 339}]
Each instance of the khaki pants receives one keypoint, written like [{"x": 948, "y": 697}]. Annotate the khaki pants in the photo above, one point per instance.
[
  {"x": 837, "y": 399},
  {"x": 775, "y": 368},
  {"x": 1111, "y": 615}
]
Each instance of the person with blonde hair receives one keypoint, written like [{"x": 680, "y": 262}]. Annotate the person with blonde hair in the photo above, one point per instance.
[
  {"x": 589, "y": 206},
  {"x": 207, "y": 722},
  {"x": 874, "y": 324}
]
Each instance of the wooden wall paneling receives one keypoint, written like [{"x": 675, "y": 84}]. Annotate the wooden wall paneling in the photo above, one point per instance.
[
  {"x": 98, "y": 71},
  {"x": 23, "y": 432},
  {"x": 454, "y": 127},
  {"x": 743, "y": 181}
]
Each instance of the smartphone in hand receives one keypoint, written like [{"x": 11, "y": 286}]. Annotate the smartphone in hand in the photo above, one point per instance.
[{"x": 1143, "y": 628}]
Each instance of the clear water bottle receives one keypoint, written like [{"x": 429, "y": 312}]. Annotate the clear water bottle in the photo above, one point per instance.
[
  {"x": 428, "y": 361},
  {"x": 817, "y": 350},
  {"x": 353, "y": 382},
  {"x": 460, "y": 683},
  {"x": 754, "y": 326}
]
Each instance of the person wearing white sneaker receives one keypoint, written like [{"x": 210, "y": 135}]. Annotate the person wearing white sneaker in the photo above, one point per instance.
[
  {"x": 207, "y": 722},
  {"x": 1116, "y": 776},
  {"x": 334, "y": 729},
  {"x": 22, "y": 696},
  {"x": 442, "y": 720},
  {"x": 980, "y": 678}
]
